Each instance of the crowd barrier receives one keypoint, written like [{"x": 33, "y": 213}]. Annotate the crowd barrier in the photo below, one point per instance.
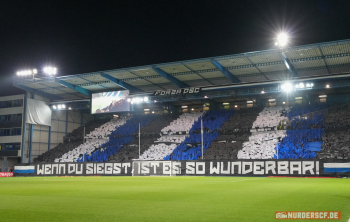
[{"x": 298, "y": 168}]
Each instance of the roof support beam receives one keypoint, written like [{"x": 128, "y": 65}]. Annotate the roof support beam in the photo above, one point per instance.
[
  {"x": 125, "y": 85},
  {"x": 261, "y": 73},
  {"x": 227, "y": 73},
  {"x": 288, "y": 64},
  {"x": 324, "y": 60},
  {"x": 197, "y": 74},
  {"x": 171, "y": 78},
  {"x": 76, "y": 88},
  {"x": 39, "y": 92}
]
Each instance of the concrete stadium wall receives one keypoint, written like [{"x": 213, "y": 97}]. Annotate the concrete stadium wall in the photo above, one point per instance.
[{"x": 62, "y": 122}]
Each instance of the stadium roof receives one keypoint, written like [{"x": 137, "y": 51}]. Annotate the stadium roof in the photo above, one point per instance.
[{"x": 323, "y": 59}]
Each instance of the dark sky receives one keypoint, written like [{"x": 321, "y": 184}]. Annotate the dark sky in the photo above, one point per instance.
[{"x": 86, "y": 36}]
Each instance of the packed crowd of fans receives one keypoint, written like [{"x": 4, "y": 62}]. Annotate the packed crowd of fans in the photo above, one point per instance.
[
  {"x": 256, "y": 133},
  {"x": 336, "y": 138},
  {"x": 299, "y": 109},
  {"x": 233, "y": 133},
  {"x": 262, "y": 143},
  {"x": 71, "y": 141},
  {"x": 170, "y": 136},
  {"x": 149, "y": 134},
  {"x": 338, "y": 117},
  {"x": 94, "y": 140},
  {"x": 212, "y": 121},
  {"x": 335, "y": 145},
  {"x": 122, "y": 135},
  {"x": 269, "y": 118},
  {"x": 297, "y": 144}
]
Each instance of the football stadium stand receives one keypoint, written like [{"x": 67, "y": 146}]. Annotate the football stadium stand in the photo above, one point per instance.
[
  {"x": 234, "y": 96},
  {"x": 298, "y": 132}
]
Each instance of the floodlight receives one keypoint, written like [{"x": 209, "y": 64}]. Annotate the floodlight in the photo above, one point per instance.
[
  {"x": 236, "y": 106},
  {"x": 26, "y": 72},
  {"x": 308, "y": 85},
  {"x": 327, "y": 86},
  {"x": 129, "y": 100},
  {"x": 282, "y": 39},
  {"x": 63, "y": 106},
  {"x": 136, "y": 100},
  {"x": 59, "y": 107},
  {"x": 192, "y": 109},
  {"x": 69, "y": 108},
  {"x": 262, "y": 92},
  {"x": 145, "y": 99},
  {"x": 54, "y": 107},
  {"x": 152, "y": 111},
  {"x": 301, "y": 85},
  {"x": 50, "y": 70},
  {"x": 35, "y": 71},
  {"x": 287, "y": 87}
]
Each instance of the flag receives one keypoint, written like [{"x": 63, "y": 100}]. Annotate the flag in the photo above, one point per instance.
[
  {"x": 336, "y": 167},
  {"x": 24, "y": 169}
]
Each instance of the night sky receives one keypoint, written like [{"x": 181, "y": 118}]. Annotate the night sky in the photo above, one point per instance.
[{"x": 86, "y": 36}]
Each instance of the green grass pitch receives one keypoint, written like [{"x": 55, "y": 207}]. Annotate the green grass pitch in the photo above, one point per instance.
[{"x": 167, "y": 198}]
